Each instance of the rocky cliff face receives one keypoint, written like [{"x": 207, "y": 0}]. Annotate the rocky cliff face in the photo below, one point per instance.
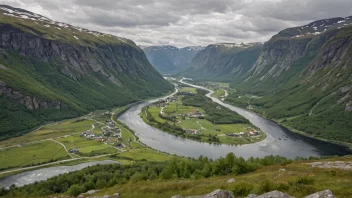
[
  {"x": 31, "y": 102},
  {"x": 304, "y": 75},
  {"x": 53, "y": 66},
  {"x": 223, "y": 61}
]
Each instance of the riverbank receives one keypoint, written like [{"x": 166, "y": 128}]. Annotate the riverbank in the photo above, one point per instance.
[{"x": 260, "y": 112}]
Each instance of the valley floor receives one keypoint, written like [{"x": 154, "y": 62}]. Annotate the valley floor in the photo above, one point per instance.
[{"x": 62, "y": 143}]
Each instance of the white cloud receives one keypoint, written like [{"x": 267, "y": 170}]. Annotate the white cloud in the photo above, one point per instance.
[{"x": 187, "y": 22}]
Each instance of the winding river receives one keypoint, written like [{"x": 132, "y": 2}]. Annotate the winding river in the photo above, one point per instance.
[{"x": 279, "y": 140}]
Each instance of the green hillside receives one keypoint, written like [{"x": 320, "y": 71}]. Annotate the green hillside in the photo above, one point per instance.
[{"x": 52, "y": 71}]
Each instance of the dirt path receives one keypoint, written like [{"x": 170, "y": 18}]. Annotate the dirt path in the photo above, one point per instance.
[{"x": 63, "y": 146}]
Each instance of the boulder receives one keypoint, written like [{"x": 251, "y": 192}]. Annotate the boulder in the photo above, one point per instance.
[
  {"x": 252, "y": 196},
  {"x": 177, "y": 196},
  {"x": 231, "y": 180},
  {"x": 116, "y": 195},
  {"x": 274, "y": 194},
  {"x": 322, "y": 194},
  {"x": 216, "y": 194}
]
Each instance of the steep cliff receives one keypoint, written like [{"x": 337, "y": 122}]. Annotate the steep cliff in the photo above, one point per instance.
[
  {"x": 51, "y": 70},
  {"x": 223, "y": 61},
  {"x": 169, "y": 59},
  {"x": 304, "y": 78}
]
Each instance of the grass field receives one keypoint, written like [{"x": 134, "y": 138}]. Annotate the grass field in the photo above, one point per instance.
[
  {"x": 172, "y": 108},
  {"x": 53, "y": 130},
  {"x": 147, "y": 155},
  {"x": 33, "y": 154},
  {"x": 218, "y": 93},
  {"x": 188, "y": 89},
  {"x": 154, "y": 111},
  {"x": 86, "y": 147}
]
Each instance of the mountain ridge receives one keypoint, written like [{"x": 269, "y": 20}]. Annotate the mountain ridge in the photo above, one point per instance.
[{"x": 52, "y": 71}]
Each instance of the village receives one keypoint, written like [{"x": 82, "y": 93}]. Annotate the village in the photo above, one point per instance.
[{"x": 110, "y": 134}]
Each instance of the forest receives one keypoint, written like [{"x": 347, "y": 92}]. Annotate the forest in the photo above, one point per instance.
[
  {"x": 213, "y": 114},
  {"x": 102, "y": 176}
]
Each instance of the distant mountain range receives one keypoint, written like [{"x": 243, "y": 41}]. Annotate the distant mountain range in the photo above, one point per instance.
[
  {"x": 223, "y": 61},
  {"x": 302, "y": 75},
  {"x": 51, "y": 70},
  {"x": 169, "y": 59}
]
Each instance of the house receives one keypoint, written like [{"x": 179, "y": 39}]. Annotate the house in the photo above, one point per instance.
[
  {"x": 233, "y": 134},
  {"x": 196, "y": 114},
  {"x": 241, "y": 133},
  {"x": 253, "y": 133},
  {"x": 75, "y": 150},
  {"x": 191, "y": 131}
]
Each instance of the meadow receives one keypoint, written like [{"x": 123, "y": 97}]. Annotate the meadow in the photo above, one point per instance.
[
  {"x": 32, "y": 154},
  {"x": 86, "y": 147}
]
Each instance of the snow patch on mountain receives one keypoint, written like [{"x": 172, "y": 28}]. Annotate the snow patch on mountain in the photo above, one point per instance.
[{"x": 39, "y": 19}]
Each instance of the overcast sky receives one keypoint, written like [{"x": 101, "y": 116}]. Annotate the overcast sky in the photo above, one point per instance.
[{"x": 187, "y": 22}]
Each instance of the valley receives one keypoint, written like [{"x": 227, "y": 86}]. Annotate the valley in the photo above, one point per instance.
[{"x": 91, "y": 114}]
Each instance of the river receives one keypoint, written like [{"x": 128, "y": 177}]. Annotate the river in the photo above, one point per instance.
[
  {"x": 29, "y": 177},
  {"x": 278, "y": 141}
]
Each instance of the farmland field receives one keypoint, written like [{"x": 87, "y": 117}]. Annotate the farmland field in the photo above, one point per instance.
[
  {"x": 86, "y": 147},
  {"x": 32, "y": 154},
  {"x": 53, "y": 130}
]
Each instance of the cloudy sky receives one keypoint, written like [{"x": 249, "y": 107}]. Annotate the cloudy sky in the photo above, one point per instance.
[{"x": 187, "y": 22}]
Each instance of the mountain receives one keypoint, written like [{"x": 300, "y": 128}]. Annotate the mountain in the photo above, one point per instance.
[
  {"x": 51, "y": 70},
  {"x": 304, "y": 79},
  {"x": 223, "y": 61},
  {"x": 169, "y": 59}
]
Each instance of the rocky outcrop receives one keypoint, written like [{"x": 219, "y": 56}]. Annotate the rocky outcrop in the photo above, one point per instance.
[
  {"x": 215, "y": 194},
  {"x": 273, "y": 194},
  {"x": 336, "y": 164},
  {"x": 31, "y": 102},
  {"x": 75, "y": 60},
  {"x": 322, "y": 194},
  {"x": 278, "y": 55}
]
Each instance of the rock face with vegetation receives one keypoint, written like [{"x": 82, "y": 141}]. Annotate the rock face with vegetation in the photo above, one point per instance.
[
  {"x": 303, "y": 76},
  {"x": 51, "y": 71},
  {"x": 169, "y": 59},
  {"x": 223, "y": 61}
]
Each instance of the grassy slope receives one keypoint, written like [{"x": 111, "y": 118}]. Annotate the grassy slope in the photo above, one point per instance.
[
  {"x": 297, "y": 180},
  {"x": 291, "y": 97}
]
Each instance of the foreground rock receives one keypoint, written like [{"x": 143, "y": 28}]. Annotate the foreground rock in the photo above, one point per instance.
[
  {"x": 273, "y": 194},
  {"x": 336, "y": 164},
  {"x": 215, "y": 194},
  {"x": 322, "y": 194}
]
